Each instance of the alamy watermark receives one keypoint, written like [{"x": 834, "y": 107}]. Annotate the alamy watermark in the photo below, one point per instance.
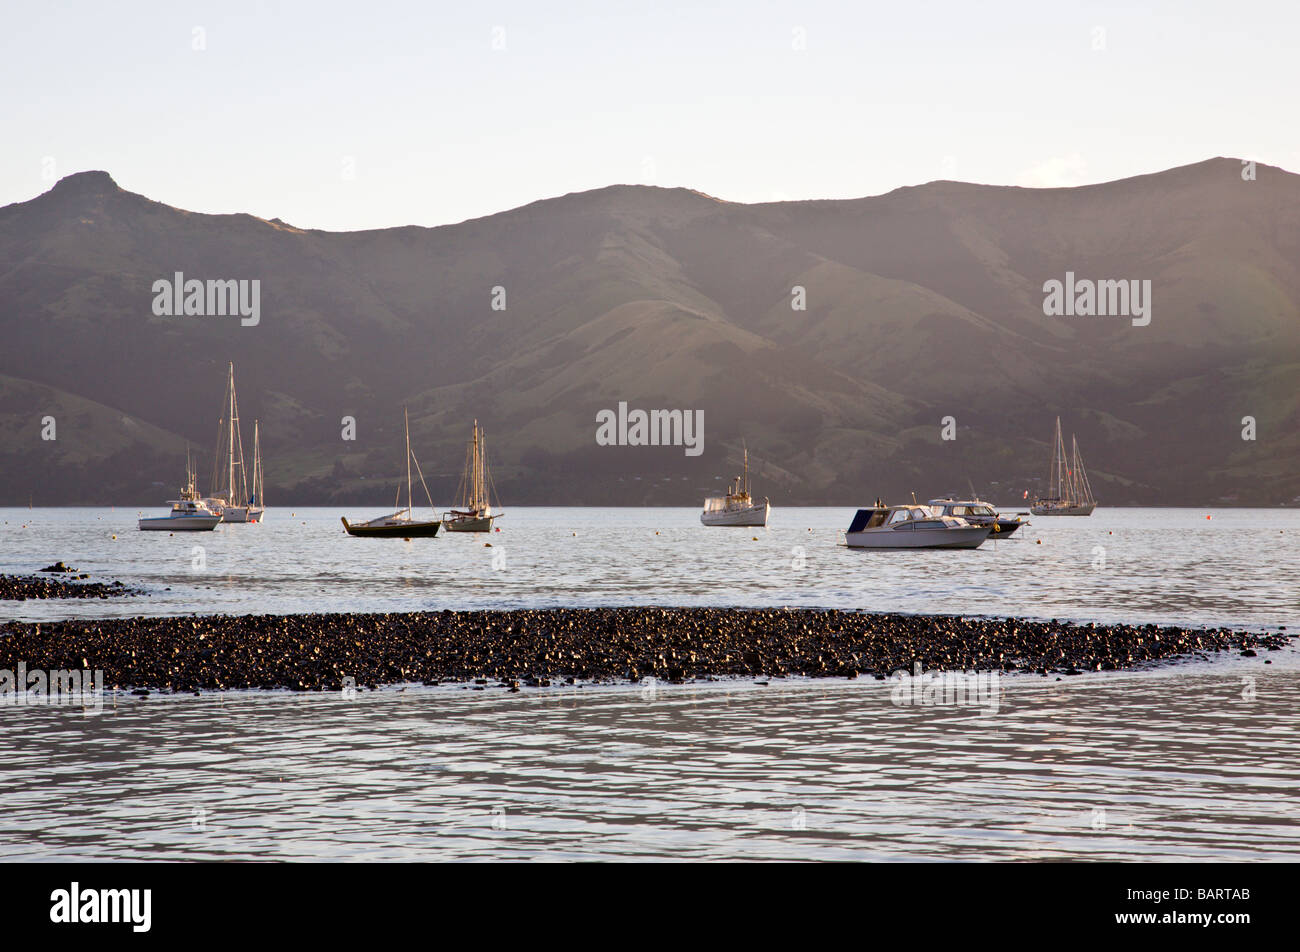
[
  {"x": 212, "y": 298},
  {"x": 953, "y": 688},
  {"x": 1104, "y": 298},
  {"x": 651, "y": 428},
  {"x": 37, "y": 687}
]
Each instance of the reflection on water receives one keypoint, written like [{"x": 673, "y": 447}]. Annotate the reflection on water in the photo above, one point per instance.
[
  {"x": 1136, "y": 565},
  {"x": 1192, "y": 762}
]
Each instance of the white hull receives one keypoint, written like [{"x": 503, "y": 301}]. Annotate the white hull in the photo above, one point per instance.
[
  {"x": 181, "y": 523},
  {"x": 959, "y": 537},
  {"x": 1081, "y": 509},
  {"x": 754, "y": 516},
  {"x": 454, "y": 521},
  {"x": 242, "y": 514}
]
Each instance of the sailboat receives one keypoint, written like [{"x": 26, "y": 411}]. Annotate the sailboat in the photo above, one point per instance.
[
  {"x": 229, "y": 477},
  {"x": 737, "y": 507},
  {"x": 1068, "y": 481},
  {"x": 257, "y": 501},
  {"x": 399, "y": 524},
  {"x": 474, "y": 513},
  {"x": 189, "y": 513}
]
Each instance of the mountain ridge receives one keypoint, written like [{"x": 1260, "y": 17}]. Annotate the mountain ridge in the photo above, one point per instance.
[{"x": 921, "y": 303}]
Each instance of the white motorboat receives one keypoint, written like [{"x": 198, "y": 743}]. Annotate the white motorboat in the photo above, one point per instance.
[
  {"x": 912, "y": 527},
  {"x": 1068, "y": 481},
  {"x": 979, "y": 513},
  {"x": 188, "y": 514},
  {"x": 737, "y": 507}
]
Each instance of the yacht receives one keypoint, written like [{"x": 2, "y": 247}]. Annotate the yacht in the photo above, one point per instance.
[
  {"x": 475, "y": 513},
  {"x": 979, "y": 513},
  {"x": 737, "y": 507},
  {"x": 189, "y": 513},
  {"x": 1067, "y": 480},
  {"x": 912, "y": 527},
  {"x": 400, "y": 524}
]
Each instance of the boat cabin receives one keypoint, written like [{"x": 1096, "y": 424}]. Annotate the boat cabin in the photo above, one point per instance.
[{"x": 900, "y": 517}]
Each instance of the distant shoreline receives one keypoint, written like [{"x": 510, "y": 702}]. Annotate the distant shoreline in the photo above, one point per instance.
[{"x": 543, "y": 647}]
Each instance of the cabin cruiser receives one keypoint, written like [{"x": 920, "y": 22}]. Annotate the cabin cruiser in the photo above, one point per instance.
[
  {"x": 912, "y": 527},
  {"x": 979, "y": 513},
  {"x": 189, "y": 513}
]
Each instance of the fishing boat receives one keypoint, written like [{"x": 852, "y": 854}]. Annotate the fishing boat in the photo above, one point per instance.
[
  {"x": 474, "y": 511},
  {"x": 979, "y": 513},
  {"x": 189, "y": 513},
  {"x": 737, "y": 507},
  {"x": 400, "y": 524},
  {"x": 230, "y": 494},
  {"x": 912, "y": 527},
  {"x": 1068, "y": 482}
]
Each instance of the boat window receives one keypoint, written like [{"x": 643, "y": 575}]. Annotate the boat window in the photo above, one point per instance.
[{"x": 902, "y": 515}]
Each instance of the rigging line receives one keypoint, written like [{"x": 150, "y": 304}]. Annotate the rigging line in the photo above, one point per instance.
[{"x": 422, "y": 482}]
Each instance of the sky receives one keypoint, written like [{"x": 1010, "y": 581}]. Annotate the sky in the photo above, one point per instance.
[{"x": 353, "y": 115}]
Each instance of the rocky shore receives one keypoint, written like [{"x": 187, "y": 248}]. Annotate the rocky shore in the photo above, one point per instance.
[
  {"x": 73, "y": 584},
  {"x": 543, "y": 647}
]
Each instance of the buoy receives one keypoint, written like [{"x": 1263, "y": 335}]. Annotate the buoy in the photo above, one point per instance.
[
  {"x": 1209, "y": 517},
  {"x": 1040, "y": 541},
  {"x": 753, "y": 538},
  {"x": 487, "y": 545},
  {"x": 114, "y": 537}
]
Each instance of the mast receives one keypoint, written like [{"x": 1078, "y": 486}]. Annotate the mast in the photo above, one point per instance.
[
  {"x": 1060, "y": 461},
  {"x": 746, "y": 448},
  {"x": 230, "y": 459},
  {"x": 257, "y": 467},
  {"x": 477, "y": 502},
  {"x": 1081, "y": 475},
  {"x": 406, "y": 416}
]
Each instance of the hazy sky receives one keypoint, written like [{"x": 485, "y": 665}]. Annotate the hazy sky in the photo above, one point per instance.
[{"x": 348, "y": 115}]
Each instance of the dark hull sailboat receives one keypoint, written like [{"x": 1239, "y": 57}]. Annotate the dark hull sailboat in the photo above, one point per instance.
[
  {"x": 399, "y": 524},
  {"x": 396, "y": 529}
]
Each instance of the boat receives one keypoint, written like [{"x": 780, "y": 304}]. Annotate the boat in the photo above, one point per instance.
[
  {"x": 399, "y": 524},
  {"x": 229, "y": 478},
  {"x": 474, "y": 511},
  {"x": 979, "y": 513},
  {"x": 189, "y": 513},
  {"x": 1068, "y": 481},
  {"x": 737, "y": 507},
  {"x": 912, "y": 527},
  {"x": 257, "y": 500}
]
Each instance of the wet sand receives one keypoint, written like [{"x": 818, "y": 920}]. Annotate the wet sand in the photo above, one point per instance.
[{"x": 543, "y": 647}]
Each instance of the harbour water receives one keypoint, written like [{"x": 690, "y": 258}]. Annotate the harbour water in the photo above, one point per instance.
[
  {"x": 1241, "y": 567},
  {"x": 1194, "y": 760}
]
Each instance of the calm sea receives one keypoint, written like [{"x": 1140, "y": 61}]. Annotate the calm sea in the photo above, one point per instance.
[{"x": 1189, "y": 761}]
